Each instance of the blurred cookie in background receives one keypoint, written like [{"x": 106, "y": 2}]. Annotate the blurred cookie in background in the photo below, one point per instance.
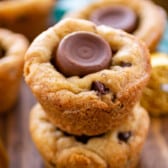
[
  {"x": 99, "y": 75},
  {"x": 12, "y": 49},
  {"x": 155, "y": 95},
  {"x": 28, "y": 17},
  {"x": 163, "y": 44},
  {"x": 144, "y": 19}
]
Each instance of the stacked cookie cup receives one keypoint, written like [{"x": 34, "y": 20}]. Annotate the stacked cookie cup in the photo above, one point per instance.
[
  {"x": 88, "y": 78},
  {"x": 87, "y": 113}
]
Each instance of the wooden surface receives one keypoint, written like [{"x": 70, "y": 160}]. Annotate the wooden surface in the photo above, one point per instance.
[{"x": 15, "y": 133}]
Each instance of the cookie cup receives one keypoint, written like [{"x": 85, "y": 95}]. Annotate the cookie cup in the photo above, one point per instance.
[
  {"x": 151, "y": 18},
  {"x": 13, "y": 47},
  {"x": 71, "y": 100},
  {"x": 29, "y": 17},
  {"x": 155, "y": 95},
  {"x": 119, "y": 148}
]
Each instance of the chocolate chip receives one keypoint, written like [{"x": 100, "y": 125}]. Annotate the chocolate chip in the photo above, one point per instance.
[
  {"x": 2, "y": 52},
  {"x": 84, "y": 139},
  {"x": 125, "y": 64},
  {"x": 99, "y": 87},
  {"x": 114, "y": 97},
  {"x": 121, "y": 106},
  {"x": 124, "y": 136},
  {"x": 81, "y": 138},
  {"x": 52, "y": 164}
]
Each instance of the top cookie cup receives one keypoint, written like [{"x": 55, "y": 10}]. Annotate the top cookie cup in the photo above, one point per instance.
[{"x": 72, "y": 103}]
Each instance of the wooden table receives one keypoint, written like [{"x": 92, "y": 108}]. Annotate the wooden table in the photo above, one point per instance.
[{"x": 15, "y": 133}]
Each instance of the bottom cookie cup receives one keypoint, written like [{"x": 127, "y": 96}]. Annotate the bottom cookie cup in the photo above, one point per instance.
[{"x": 119, "y": 148}]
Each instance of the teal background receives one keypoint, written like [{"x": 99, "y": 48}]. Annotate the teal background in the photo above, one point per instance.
[{"x": 63, "y": 6}]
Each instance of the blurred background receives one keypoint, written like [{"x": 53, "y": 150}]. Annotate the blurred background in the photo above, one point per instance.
[{"x": 14, "y": 128}]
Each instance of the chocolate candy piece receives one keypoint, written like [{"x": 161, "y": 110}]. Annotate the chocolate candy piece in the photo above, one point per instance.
[
  {"x": 125, "y": 64},
  {"x": 119, "y": 17},
  {"x": 124, "y": 136},
  {"x": 81, "y": 53},
  {"x": 99, "y": 87}
]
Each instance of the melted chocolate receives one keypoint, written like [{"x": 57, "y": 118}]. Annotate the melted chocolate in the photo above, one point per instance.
[
  {"x": 125, "y": 64},
  {"x": 120, "y": 17},
  {"x": 99, "y": 87},
  {"x": 124, "y": 136},
  {"x": 83, "y": 138}
]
